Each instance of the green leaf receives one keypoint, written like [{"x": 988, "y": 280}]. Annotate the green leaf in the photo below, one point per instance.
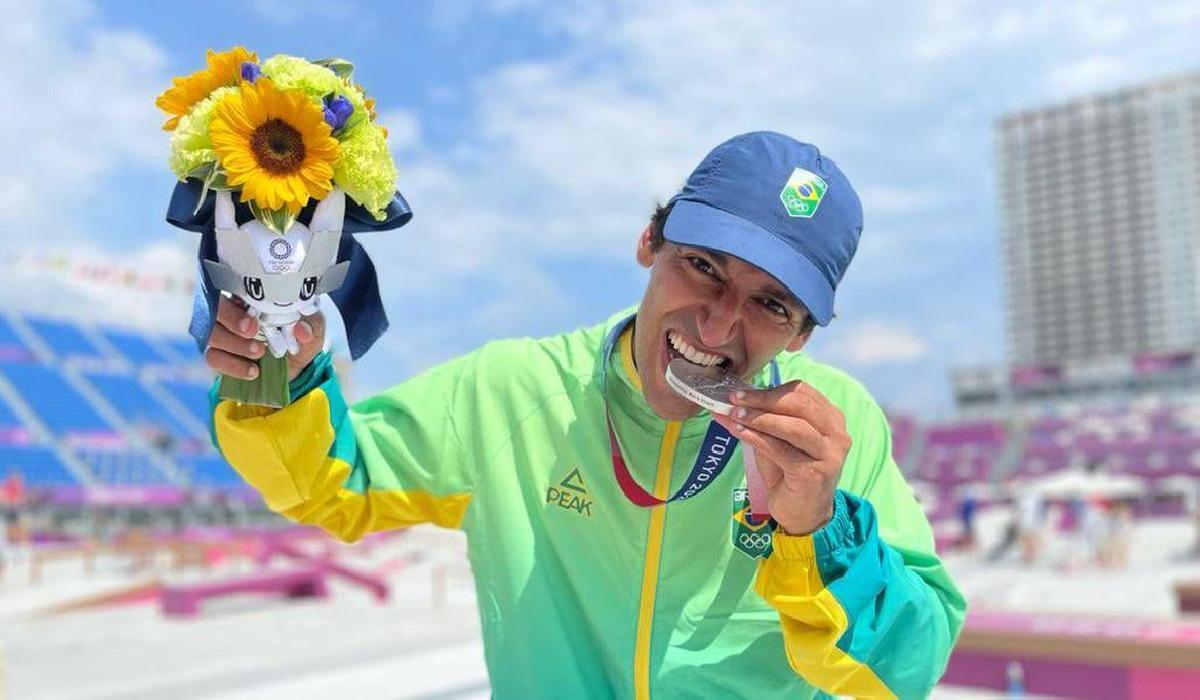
[
  {"x": 340, "y": 66},
  {"x": 214, "y": 179},
  {"x": 269, "y": 388},
  {"x": 202, "y": 171},
  {"x": 277, "y": 220}
]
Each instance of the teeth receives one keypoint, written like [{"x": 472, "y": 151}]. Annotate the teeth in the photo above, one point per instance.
[{"x": 691, "y": 353}]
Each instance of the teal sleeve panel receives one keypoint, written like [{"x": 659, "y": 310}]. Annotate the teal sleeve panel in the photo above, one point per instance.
[
  {"x": 876, "y": 556},
  {"x": 900, "y": 624}
]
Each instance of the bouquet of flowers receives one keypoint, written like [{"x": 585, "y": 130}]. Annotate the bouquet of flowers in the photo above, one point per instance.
[{"x": 286, "y": 137}]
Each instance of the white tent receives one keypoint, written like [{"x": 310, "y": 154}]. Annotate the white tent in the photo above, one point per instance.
[{"x": 1078, "y": 484}]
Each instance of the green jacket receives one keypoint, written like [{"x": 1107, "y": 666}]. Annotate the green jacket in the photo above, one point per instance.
[{"x": 580, "y": 592}]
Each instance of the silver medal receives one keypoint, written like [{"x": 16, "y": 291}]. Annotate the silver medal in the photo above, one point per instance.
[{"x": 708, "y": 387}]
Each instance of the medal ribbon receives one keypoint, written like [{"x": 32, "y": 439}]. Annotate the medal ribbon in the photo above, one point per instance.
[{"x": 710, "y": 462}]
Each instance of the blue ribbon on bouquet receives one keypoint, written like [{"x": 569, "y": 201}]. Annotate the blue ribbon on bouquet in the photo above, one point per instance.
[{"x": 357, "y": 300}]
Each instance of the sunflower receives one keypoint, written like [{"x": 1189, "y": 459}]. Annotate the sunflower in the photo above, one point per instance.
[
  {"x": 275, "y": 145},
  {"x": 224, "y": 68}
]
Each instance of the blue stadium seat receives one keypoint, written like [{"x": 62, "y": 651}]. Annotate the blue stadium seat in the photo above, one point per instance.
[
  {"x": 39, "y": 466},
  {"x": 122, "y": 468},
  {"x": 137, "y": 405},
  {"x": 65, "y": 339},
  {"x": 55, "y": 401},
  {"x": 186, "y": 347},
  {"x": 210, "y": 470},
  {"x": 8, "y": 419},
  {"x": 193, "y": 396},
  {"x": 12, "y": 348},
  {"x": 136, "y": 348}
]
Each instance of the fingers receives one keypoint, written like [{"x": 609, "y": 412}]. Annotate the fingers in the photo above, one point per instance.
[
  {"x": 769, "y": 471},
  {"x": 767, "y": 467},
  {"x": 778, "y": 460},
  {"x": 795, "y": 431},
  {"x": 310, "y": 328},
  {"x": 229, "y": 364},
  {"x": 232, "y": 313},
  {"x": 310, "y": 337},
  {"x": 224, "y": 339},
  {"x": 798, "y": 399},
  {"x": 303, "y": 332}
]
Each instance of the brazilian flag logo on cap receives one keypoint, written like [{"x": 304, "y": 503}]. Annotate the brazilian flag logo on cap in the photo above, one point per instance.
[{"x": 802, "y": 194}]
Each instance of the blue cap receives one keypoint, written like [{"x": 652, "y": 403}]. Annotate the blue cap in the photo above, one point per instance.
[{"x": 779, "y": 205}]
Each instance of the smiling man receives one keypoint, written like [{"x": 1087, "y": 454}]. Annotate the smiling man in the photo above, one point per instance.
[{"x": 614, "y": 553}]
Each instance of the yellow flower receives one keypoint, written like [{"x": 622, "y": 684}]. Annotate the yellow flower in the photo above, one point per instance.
[
  {"x": 224, "y": 68},
  {"x": 275, "y": 145}
]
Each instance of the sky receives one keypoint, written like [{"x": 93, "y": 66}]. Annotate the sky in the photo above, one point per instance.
[{"x": 534, "y": 139}]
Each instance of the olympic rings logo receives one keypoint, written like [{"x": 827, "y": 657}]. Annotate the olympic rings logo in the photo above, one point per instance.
[
  {"x": 280, "y": 249},
  {"x": 754, "y": 540}
]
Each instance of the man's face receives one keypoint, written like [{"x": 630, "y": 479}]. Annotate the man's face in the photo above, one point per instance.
[{"x": 709, "y": 308}]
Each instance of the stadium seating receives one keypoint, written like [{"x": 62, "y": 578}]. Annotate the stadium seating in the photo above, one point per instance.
[
  {"x": 39, "y": 466},
  {"x": 63, "y": 409},
  {"x": 135, "y": 348},
  {"x": 955, "y": 455},
  {"x": 137, "y": 405},
  {"x": 193, "y": 397},
  {"x": 64, "y": 339},
  {"x": 185, "y": 347},
  {"x": 12, "y": 348},
  {"x": 210, "y": 470},
  {"x": 122, "y": 468},
  {"x": 1148, "y": 442},
  {"x": 12, "y": 431}
]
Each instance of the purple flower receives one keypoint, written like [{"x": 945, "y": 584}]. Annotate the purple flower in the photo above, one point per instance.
[
  {"x": 250, "y": 71},
  {"x": 337, "y": 110}
]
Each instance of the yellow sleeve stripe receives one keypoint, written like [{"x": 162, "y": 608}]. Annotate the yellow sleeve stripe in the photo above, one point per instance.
[
  {"x": 278, "y": 452},
  {"x": 283, "y": 454},
  {"x": 349, "y": 515},
  {"x": 813, "y": 621}
]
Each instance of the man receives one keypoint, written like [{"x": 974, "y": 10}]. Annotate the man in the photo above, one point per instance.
[{"x": 548, "y": 452}]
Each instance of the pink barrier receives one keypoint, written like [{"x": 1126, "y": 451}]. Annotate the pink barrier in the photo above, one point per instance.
[
  {"x": 1078, "y": 656},
  {"x": 184, "y": 601},
  {"x": 375, "y": 584}
]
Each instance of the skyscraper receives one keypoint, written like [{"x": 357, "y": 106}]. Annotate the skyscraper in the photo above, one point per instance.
[{"x": 1099, "y": 210}]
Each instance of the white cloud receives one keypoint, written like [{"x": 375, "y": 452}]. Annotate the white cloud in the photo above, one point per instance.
[
  {"x": 404, "y": 129},
  {"x": 563, "y": 155},
  {"x": 82, "y": 110},
  {"x": 1090, "y": 73},
  {"x": 65, "y": 293},
  {"x": 875, "y": 342}
]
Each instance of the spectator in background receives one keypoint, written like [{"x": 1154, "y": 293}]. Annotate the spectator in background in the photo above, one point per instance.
[
  {"x": 966, "y": 515},
  {"x": 1120, "y": 533},
  {"x": 1029, "y": 512},
  {"x": 1094, "y": 528}
]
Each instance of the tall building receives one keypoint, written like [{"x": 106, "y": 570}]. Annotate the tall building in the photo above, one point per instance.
[{"x": 1099, "y": 208}]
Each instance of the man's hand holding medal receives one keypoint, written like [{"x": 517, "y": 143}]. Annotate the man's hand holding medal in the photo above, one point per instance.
[{"x": 797, "y": 439}]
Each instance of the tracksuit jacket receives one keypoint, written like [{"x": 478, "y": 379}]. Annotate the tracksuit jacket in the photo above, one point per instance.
[{"x": 581, "y": 593}]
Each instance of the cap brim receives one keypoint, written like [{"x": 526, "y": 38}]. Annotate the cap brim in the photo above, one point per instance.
[{"x": 693, "y": 223}]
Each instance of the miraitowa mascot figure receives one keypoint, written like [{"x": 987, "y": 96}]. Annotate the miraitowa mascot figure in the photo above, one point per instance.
[{"x": 279, "y": 163}]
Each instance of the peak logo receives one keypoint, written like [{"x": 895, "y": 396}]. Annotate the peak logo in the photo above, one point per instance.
[{"x": 571, "y": 494}]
